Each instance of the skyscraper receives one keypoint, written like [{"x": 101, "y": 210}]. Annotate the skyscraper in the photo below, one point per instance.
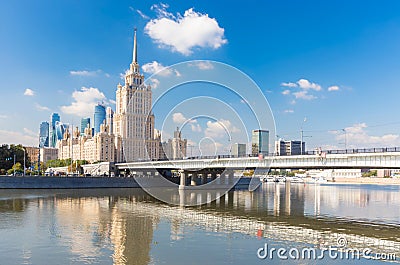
[
  {"x": 133, "y": 119},
  {"x": 53, "y": 119},
  {"x": 99, "y": 117},
  {"x": 85, "y": 122},
  {"x": 44, "y": 134},
  {"x": 109, "y": 119},
  {"x": 260, "y": 142}
]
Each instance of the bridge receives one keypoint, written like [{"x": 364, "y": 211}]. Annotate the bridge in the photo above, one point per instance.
[
  {"x": 376, "y": 158},
  {"x": 203, "y": 170}
]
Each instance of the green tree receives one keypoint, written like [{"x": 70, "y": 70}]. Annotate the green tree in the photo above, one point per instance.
[{"x": 17, "y": 167}]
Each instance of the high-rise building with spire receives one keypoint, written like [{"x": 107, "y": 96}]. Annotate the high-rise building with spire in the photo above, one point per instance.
[{"x": 133, "y": 118}]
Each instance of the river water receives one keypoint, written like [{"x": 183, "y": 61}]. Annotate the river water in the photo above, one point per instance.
[{"x": 127, "y": 226}]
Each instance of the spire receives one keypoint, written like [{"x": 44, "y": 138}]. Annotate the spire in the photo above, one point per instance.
[{"x": 134, "y": 59}]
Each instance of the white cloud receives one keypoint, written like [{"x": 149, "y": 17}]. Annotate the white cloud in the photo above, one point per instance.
[
  {"x": 288, "y": 111},
  {"x": 142, "y": 14},
  {"x": 357, "y": 136},
  {"x": 178, "y": 117},
  {"x": 154, "y": 83},
  {"x": 2, "y": 116},
  {"x": 203, "y": 65},
  {"x": 305, "y": 84},
  {"x": 183, "y": 33},
  {"x": 84, "y": 102},
  {"x": 195, "y": 127},
  {"x": 157, "y": 68},
  {"x": 16, "y": 137},
  {"x": 41, "y": 108},
  {"x": 86, "y": 73},
  {"x": 286, "y": 92},
  {"x": 289, "y": 84},
  {"x": 304, "y": 95},
  {"x": 219, "y": 129},
  {"x": 29, "y": 92},
  {"x": 111, "y": 101},
  {"x": 333, "y": 88}
]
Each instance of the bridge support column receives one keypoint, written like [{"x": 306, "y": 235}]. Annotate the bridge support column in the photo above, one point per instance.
[
  {"x": 193, "y": 180},
  {"x": 204, "y": 178},
  {"x": 182, "y": 181},
  {"x": 213, "y": 176},
  {"x": 231, "y": 176}
]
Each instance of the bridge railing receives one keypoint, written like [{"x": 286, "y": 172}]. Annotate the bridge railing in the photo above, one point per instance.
[{"x": 311, "y": 152}]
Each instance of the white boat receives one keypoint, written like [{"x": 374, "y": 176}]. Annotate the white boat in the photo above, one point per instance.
[
  {"x": 267, "y": 178},
  {"x": 294, "y": 180},
  {"x": 319, "y": 179},
  {"x": 280, "y": 179}
]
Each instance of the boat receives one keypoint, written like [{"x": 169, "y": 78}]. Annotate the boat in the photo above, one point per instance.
[
  {"x": 267, "y": 178},
  {"x": 319, "y": 179},
  {"x": 294, "y": 180}
]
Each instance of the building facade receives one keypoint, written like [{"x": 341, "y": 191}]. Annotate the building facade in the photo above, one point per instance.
[
  {"x": 238, "y": 150},
  {"x": 54, "y": 118},
  {"x": 32, "y": 153},
  {"x": 48, "y": 153},
  {"x": 260, "y": 142},
  {"x": 85, "y": 122},
  {"x": 288, "y": 148},
  {"x": 133, "y": 119},
  {"x": 97, "y": 148},
  {"x": 174, "y": 148},
  {"x": 44, "y": 139},
  {"x": 99, "y": 117}
]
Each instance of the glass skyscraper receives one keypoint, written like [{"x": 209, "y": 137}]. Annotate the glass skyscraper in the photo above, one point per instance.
[
  {"x": 53, "y": 119},
  {"x": 85, "y": 122},
  {"x": 44, "y": 134},
  {"x": 260, "y": 142},
  {"x": 99, "y": 117}
]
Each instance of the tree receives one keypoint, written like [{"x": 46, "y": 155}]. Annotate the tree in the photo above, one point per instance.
[
  {"x": 7, "y": 153},
  {"x": 17, "y": 167}
]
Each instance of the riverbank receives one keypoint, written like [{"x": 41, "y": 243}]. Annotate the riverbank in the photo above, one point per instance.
[{"x": 367, "y": 180}]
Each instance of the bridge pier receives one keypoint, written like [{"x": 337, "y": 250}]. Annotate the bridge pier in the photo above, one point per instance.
[
  {"x": 193, "y": 180},
  {"x": 182, "y": 181},
  {"x": 204, "y": 178}
]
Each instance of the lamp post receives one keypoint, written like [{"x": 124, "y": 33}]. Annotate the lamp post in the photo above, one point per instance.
[
  {"x": 14, "y": 165},
  {"x": 23, "y": 148},
  {"x": 301, "y": 136},
  {"x": 345, "y": 139}
]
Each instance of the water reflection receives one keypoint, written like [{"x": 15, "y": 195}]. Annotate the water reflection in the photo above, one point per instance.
[{"x": 126, "y": 226}]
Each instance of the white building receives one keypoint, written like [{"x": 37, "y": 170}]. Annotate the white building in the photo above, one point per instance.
[
  {"x": 175, "y": 148},
  {"x": 133, "y": 119}
]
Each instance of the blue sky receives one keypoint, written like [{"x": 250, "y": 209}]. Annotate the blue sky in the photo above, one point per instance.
[{"x": 294, "y": 50}]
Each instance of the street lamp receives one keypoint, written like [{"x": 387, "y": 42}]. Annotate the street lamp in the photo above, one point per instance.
[
  {"x": 23, "y": 148},
  {"x": 345, "y": 139}
]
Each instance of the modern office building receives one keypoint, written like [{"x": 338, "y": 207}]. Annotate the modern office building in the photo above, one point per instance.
[
  {"x": 85, "y": 122},
  {"x": 110, "y": 119},
  {"x": 288, "y": 148},
  {"x": 99, "y": 117},
  {"x": 133, "y": 119},
  {"x": 59, "y": 130},
  {"x": 260, "y": 142},
  {"x": 44, "y": 130},
  {"x": 52, "y": 134},
  {"x": 238, "y": 150}
]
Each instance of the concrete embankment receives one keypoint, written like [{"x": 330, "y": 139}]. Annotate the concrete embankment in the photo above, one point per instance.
[{"x": 34, "y": 182}]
